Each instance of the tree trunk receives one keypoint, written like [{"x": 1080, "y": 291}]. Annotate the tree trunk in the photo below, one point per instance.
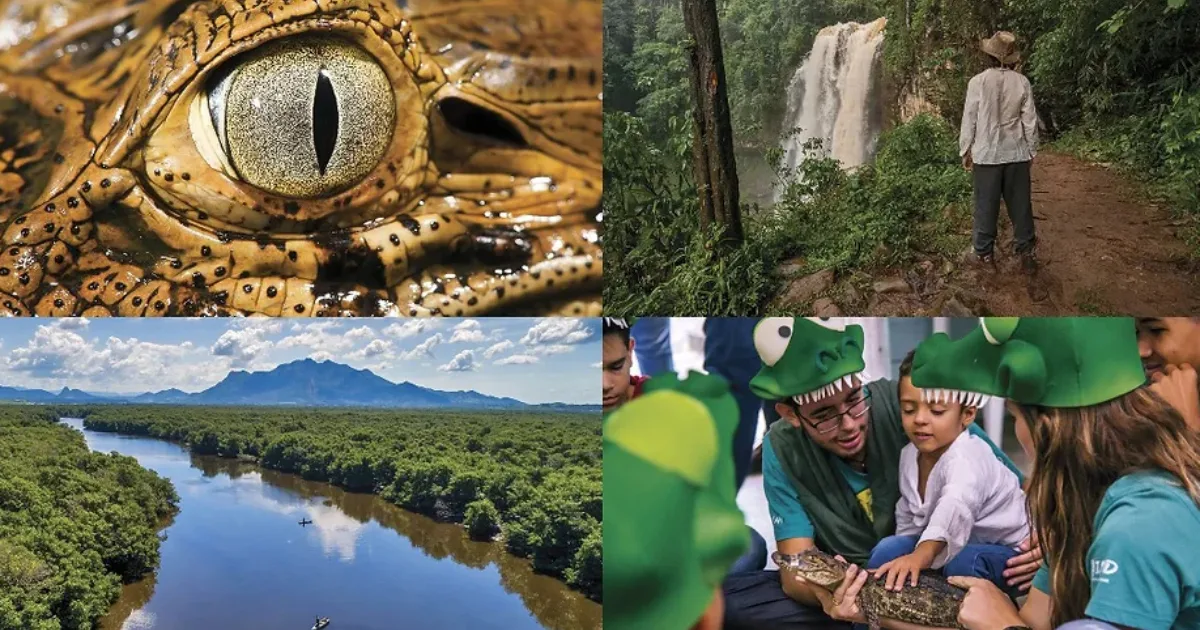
[{"x": 712, "y": 147}]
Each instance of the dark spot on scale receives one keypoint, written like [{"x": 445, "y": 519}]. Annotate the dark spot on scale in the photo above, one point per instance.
[
  {"x": 570, "y": 73},
  {"x": 292, "y": 256},
  {"x": 221, "y": 298},
  {"x": 157, "y": 173},
  {"x": 58, "y": 260},
  {"x": 58, "y": 109},
  {"x": 14, "y": 251},
  {"x": 552, "y": 74},
  {"x": 272, "y": 292},
  {"x": 58, "y": 158},
  {"x": 19, "y": 220},
  {"x": 169, "y": 177},
  {"x": 412, "y": 312},
  {"x": 220, "y": 272},
  {"x": 379, "y": 184},
  {"x": 592, "y": 77},
  {"x": 24, "y": 232},
  {"x": 549, "y": 282},
  {"x": 120, "y": 286},
  {"x": 186, "y": 176},
  {"x": 248, "y": 288},
  {"x": 500, "y": 292},
  {"x": 458, "y": 313},
  {"x": 391, "y": 168},
  {"x": 4, "y": 271},
  {"x": 299, "y": 308},
  {"x": 137, "y": 301},
  {"x": 588, "y": 264},
  {"x": 224, "y": 236},
  {"x": 198, "y": 280},
  {"x": 203, "y": 216},
  {"x": 176, "y": 264},
  {"x": 512, "y": 283},
  {"x": 50, "y": 207},
  {"x": 473, "y": 301},
  {"x": 244, "y": 274},
  {"x": 104, "y": 183},
  {"x": 446, "y": 302},
  {"x": 410, "y": 224},
  {"x": 433, "y": 225},
  {"x": 205, "y": 250},
  {"x": 291, "y": 207},
  {"x": 75, "y": 229},
  {"x": 49, "y": 228},
  {"x": 395, "y": 239},
  {"x": 71, "y": 202},
  {"x": 558, "y": 272},
  {"x": 535, "y": 274},
  {"x": 158, "y": 306},
  {"x": 93, "y": 285},
  {"x": 59, "y": 303},
  {"x": 87, "y": 186}
]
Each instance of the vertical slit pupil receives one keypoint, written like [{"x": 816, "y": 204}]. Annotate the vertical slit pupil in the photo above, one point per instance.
[{"x": 325, "y": 121}]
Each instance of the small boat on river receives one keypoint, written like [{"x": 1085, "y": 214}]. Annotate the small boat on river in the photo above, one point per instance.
[{"x": 320, "y": 623}]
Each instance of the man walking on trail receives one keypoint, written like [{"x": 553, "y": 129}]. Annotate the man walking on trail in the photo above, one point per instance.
[{"x": 998, "y": 142}]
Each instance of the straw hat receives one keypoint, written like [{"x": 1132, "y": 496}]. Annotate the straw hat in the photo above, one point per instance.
[{"x": 1002, "y": 46}]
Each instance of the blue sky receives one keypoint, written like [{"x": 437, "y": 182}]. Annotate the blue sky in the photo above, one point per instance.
[{"x": 530, "y": 359}]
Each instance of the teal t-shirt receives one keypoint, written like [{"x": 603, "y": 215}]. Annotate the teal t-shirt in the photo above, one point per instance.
[
  {"x": 787, "y": 514},
  {"x": 1144, "y": 558}
]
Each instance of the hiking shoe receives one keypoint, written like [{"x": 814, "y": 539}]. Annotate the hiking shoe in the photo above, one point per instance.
[
  {"x": 979, "y": 261},
  {"x": 1029, "y": 263}
]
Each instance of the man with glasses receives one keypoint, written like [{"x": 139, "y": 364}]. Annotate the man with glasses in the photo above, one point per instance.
[{"x": 830, "y": 470}]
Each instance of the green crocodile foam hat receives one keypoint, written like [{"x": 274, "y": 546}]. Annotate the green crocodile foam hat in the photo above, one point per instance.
[
  {"x": 806, "y": 358},
  {"x": 672, "y": 527},
  {"x": 1047, "y": 361}
]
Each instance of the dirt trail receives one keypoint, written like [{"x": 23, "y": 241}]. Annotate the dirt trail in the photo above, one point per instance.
[{"x": 1104, "y": 250}]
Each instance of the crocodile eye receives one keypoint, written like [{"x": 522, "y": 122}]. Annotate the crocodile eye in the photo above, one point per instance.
[
  {"x": 303, "y": 116},
  {"x": 771, "y": 338}
]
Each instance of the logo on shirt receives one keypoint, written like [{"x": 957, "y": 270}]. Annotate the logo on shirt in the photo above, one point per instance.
[
  {"x": 1101, "y": 569},
  {"x": 778, "y": 520}
]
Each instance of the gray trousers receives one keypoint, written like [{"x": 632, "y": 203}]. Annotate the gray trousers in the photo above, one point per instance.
[{"x": 1012, "y": 182}]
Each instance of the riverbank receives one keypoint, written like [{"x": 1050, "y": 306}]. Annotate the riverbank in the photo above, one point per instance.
[
  {"x": 533, "y": 479},
  {"x": 74, "y": 525}
]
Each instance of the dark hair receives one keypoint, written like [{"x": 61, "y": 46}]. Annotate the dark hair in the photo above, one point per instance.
[
  {"x": 906, "y": 364},
  {"x": 617, "y": 326}
]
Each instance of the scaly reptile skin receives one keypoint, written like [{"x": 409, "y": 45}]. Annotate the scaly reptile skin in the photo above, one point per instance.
[
  {"x": 177, "y": 157},
  {"x": 933, "y": 602}
]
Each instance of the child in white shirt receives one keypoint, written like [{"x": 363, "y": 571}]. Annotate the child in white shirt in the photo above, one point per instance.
[{"x": 961, "y": 510}]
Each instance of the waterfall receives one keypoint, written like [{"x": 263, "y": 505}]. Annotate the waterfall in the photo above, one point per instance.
[{"x": 834, "y": 96}]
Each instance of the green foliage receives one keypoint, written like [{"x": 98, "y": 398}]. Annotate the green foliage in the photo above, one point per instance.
[
  {"x": 879, "y": 214},
  {"x": 660, "y": 262},
  {"x": 482, "y": 520},
  {"x": 531, "y": 473},
  {"x": 73, "y": 524}
]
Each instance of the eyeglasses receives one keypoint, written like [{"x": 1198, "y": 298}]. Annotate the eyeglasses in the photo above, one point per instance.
[{"x": 855, "y": 407}]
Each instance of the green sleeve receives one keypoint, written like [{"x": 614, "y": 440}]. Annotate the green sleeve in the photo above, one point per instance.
[
  {"x": 1137, "y": 562},
  {"x": 978, "y": 431},
  {"x": 788, "y": 516}
]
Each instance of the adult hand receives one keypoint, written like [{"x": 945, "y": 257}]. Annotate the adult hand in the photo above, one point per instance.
[
  {"x": 1178, "y": 386},
  {"x": 842, "y": 604},
  {"x": 900, "y": 570},
  {"x": 967, "y": 162},
  {"x": 985, "y": 607},
  {"x": 1024, "y": 566}
]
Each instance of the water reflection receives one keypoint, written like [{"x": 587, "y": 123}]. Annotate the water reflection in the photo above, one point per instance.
[{"x": 237, "y": 557}]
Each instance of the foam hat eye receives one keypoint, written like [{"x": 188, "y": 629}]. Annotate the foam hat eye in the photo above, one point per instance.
[
  {"x": 1022, "y": 372},
  {"x": 771, "y": 338},
  {"x": 998, "y": 329}
]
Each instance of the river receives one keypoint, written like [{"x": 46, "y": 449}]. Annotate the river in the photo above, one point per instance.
[{"x": 235, "y": 556}]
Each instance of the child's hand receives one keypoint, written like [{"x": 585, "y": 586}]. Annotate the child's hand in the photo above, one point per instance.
[{"x": 901, "y": 569}]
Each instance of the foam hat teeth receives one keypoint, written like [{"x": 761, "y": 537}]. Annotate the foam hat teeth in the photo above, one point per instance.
[
  {"x": 806, "y": 358},
  {"x": 1047, "y": 361}
]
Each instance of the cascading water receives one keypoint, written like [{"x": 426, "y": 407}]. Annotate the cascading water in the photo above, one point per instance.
[{"x": 834, "y": 96}]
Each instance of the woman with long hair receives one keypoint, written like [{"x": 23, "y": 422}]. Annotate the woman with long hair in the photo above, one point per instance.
[{"x": 1114, "y": 493}]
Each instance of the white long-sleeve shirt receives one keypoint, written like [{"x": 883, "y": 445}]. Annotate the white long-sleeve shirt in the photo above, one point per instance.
[
  {"x": 970, "y": 497},
  {"x": 1000, "y": 122}
]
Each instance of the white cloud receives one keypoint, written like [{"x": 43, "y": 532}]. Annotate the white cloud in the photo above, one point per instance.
[
  {"x": 322, "y": 355},
  {"x": 557, "y": 330},
  {"x": 409, "y": 328},
  {"x": 244, "y": 345},
  {"x": 551, "y": 349},
  {"x": 376, "y": 348},
  {"x": 362, "y": 333},
  {"x": 424, "y": 350},
  {"x": 71, "y": 323},
  {"x": 468, "y": 331},
  {"x": 598, "y": 364},
  {"x": 268, "y": 325},
  {"x": 462, "y": 362},
  {"x": 518, "y": 359},
  {"x": 503, "y": 346}
]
